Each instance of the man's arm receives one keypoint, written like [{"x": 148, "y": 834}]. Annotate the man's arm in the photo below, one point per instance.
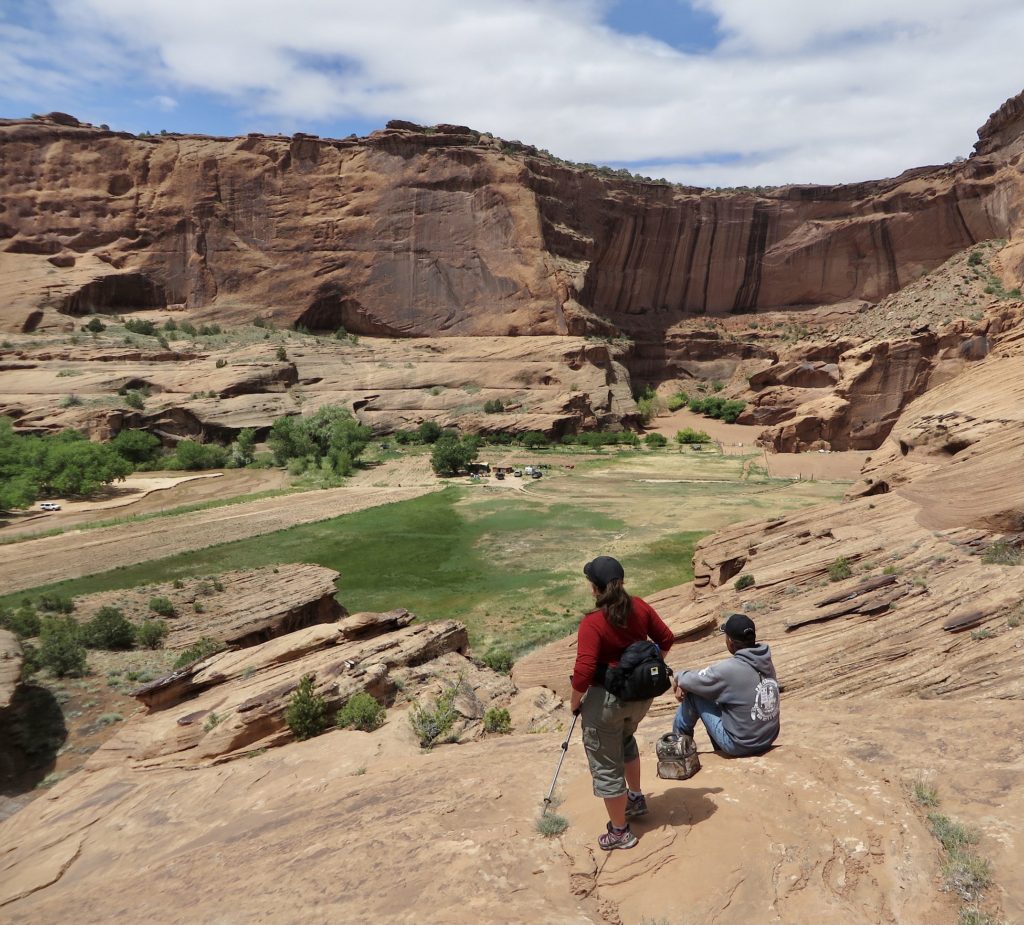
[{"x": 707, "y": 683}]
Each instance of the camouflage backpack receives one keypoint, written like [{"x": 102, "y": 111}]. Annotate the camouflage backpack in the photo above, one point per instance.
[{"x": 677, "y": 757}]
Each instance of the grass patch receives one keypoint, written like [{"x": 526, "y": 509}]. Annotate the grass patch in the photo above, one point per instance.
[
  {"x": 551, "y": 824},
  {"x": 924, "y": 794}
]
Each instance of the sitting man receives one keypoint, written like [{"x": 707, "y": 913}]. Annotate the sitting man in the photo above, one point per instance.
[{"x": 737, "y": 698}]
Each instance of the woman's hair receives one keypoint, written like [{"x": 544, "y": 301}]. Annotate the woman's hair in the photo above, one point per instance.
[{"x": 615, "y": 602}]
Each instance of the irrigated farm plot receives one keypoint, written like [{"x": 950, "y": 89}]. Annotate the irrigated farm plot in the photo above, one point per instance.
[{"x": 507, "y": 563}]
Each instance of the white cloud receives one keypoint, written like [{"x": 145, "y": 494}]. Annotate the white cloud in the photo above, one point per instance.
[
  {"x": 164, "y": 103},
  {"x": 804, "y": 91}
]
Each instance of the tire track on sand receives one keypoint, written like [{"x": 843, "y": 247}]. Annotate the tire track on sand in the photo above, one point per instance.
[{"x": 73, "y": 555}]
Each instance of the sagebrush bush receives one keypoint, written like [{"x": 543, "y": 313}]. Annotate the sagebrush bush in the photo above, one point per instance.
[
  {"x": 840, "y": 569},
  {"x": 433, "y": 723},
  {"x": 52, "y": 602},
  {"x": 306, "y": 714},
  {"x": 361, "y": 711},
  {"x": 152, "y": 633},
  {"x": 60, "y": 647},
  {"x": 498, "y": 721},
  {"x": 109, "y": 629},
  {"x": 498, "y": 660},
  {"x": 161, "y": 606},
  {"x": 744, "y": 581},
  {"x": 204, "y": 648}
]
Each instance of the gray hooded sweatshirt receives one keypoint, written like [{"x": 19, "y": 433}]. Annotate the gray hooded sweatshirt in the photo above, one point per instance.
[{"x": 746, "y": 688}]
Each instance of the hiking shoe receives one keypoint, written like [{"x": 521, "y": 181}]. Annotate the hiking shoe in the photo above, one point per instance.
[
  {"x": 612, "y": 839},
  {"x": 636, "y": 806}
]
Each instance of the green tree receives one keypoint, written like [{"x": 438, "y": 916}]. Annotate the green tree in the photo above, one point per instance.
[
  {"x": 331, "y": 435},
  {"x": 306, "y": 714},
  {"x": 137, "y": 446},
  {"x": 60, "y": 647},
  {"x": 190, "y": 455},
  {"x": 534, "y": 439},
  {"x": 450, "y": 454},
  {"x": 109, "y": 629},
  {"x": 152, "y": 633},
  {"x": 429, "y": 432},
  {"x": 243, "y": 452}
]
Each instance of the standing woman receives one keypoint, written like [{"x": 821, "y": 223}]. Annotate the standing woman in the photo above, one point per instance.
[{"x": 609, "y": 723}]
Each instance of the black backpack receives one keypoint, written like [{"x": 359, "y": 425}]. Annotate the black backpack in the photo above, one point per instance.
[{"x": 640, "y": 675}]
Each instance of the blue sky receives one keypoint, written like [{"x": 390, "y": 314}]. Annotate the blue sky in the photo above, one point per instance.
[{"x": 710, "y": 92}]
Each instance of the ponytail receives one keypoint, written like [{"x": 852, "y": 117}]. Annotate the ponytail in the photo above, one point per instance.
[{"x": 615, "y": 603}]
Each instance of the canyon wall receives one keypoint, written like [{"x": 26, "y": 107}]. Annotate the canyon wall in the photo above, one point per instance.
[{"x": 445, "y": 231}]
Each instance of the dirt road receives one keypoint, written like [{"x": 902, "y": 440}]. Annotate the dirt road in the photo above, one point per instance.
[{"x": 72, "y": 555}]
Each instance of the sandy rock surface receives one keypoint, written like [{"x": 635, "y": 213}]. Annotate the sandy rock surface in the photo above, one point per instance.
[{"x": 10, "y": 666}]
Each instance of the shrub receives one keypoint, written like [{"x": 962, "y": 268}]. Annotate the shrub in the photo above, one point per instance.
[
  {"x": 744, "y": 582},
  {"x": 688, "y": 435},
  {"x": 109, "y": 629},
  {"x": 133, "y": 398},
  {"x": 498, "y": 660},
  {"x": 162, "y": 606},
  {"x": 221, "y": 363},
  {"x": 494, "y": 407},
  {"x": 361, "y": 711},
  {"x": 428, "y": 432},
  {"x": 190, "y": 455},
  {"x": 203, "y": 648},
  {"x": 60, "y": 647},
  {"x": 152, "y": 633},
  {"x": 974, "y": 259},
  {"x": 840, "y": 569},
  {"x": 186, "y": 327},
  {"x": 23, "y": 622},
  {"x": 431, "y": 724},
  {"x": 212, "y": 721},
  {"x": 306, "y": 714},
  {"x": 1002, "y": 553},
  {"x": 94, "y": 325},
  {"x": 497, "y": 721},
  {"x": 170, "y": 325},
  {"x": 551, "y": 824},
  {"x": 208, "y": 330},
  {"x": 677, "y": 401},
  {"x": 281, "y": 354},
  {"x": 141, "y": 326},
  {"x": 655, "y": 440},
  {"x": 52, "y": 602}
]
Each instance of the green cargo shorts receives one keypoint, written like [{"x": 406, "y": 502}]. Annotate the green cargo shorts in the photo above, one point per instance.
[{"x": 608, "y": 727}]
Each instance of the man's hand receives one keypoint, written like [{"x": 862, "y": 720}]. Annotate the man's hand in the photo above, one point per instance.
[{"x": 677, "y": 691}]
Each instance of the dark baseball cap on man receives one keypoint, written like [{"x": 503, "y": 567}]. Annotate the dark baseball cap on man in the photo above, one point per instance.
[
  {"x": 602, "y": 570},
  {"x": 740, "y": 627}
]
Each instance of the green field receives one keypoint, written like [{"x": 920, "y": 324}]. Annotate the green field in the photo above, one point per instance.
[{"x": 506, "y": 562}]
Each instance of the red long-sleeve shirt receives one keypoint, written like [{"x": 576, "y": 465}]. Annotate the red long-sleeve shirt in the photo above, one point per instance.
[{"x": 600, "y": 643}]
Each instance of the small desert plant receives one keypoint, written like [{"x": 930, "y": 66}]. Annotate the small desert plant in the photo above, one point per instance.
[
  {"x": 361, "y": 711},
  {"x": 177, "y": 584},
  {"x": 840, "y": 569},
  {"x": 281, "y": 354},
  {"x": 306, "y": 714},
  {"x": 498, "y": 660},
  {"x": 655, "y": 440},
  {"x": 203, "y": 648},
  {"x": 134, "y": 399},
  {"x": 161, "y": 606},
  {"x": 498, "y": 721},
  {"x": 744, "y": 582},
  {"x": 972, "y": 915},
  {"x": 431, "y": 724},
  {"x": 924, "y": 793},
  {"x": 551, "y": 824},
  {"x": 108, "y": 719},
  {"x": 890, "y": 570},
  {"x": 985, "y": 633},
  {"x": 212, "y": 721},
  {"x": 109, "y": 629},
  {"x": 151, "y": 634},
  {"x": 94, "y": 325},
  {"x": 1002, "y": 553}
]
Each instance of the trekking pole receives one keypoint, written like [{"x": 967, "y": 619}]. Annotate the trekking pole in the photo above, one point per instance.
[{"x": 561, "y": 758}]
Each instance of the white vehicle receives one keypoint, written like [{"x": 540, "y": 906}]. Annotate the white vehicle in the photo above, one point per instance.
[{"x": 49, "y": 506}]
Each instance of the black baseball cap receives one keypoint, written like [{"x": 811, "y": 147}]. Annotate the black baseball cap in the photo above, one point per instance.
[
  {"x": 603, "y": 569},
  {"x": 740, "y": 627}
]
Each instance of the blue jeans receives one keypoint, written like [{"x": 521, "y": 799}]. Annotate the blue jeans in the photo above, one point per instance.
[{"x": 710, "y": 713}]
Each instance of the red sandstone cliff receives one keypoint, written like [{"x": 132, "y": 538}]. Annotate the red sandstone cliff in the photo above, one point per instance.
[{"x": 416, "y": 232}]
